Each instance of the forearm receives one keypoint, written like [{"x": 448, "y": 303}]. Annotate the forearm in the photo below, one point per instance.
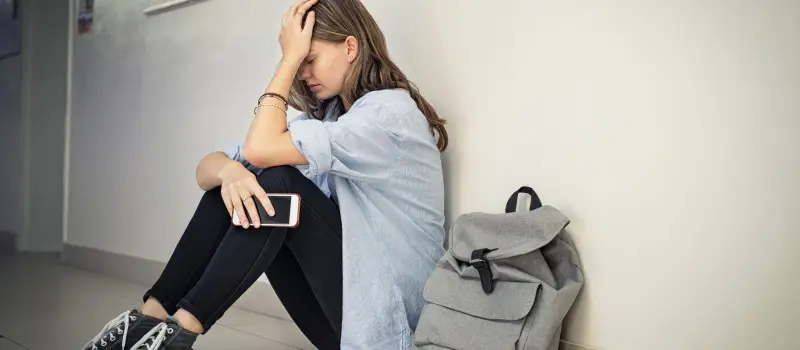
[
  {"x": 209, "y": 169},
  {"x": 269, "y": 122}
]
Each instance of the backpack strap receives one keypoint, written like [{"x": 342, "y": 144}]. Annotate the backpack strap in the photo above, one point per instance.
[
  {"x": 536, "y": 203},
  {"x": 484, "y": 269}
]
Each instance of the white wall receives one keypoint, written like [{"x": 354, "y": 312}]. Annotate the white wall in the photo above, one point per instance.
[
  {"x": 667, "y": 132},
  {"x": 151, "y": 96},
  {"x": 10, "y": 123}
]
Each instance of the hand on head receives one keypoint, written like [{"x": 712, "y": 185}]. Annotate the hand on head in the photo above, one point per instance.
[{"x": 295, "y": 34}]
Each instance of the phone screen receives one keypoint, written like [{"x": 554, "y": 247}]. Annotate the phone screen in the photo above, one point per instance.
[{"x": 283, "y": 209}]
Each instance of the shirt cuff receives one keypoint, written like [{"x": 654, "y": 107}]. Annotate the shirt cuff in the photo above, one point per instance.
[{"x": 312, "y": 140}]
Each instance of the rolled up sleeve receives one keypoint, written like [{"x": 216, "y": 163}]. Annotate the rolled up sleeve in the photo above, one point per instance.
[
  {"x": 358, "y": 146},
  {"x": 235, "y": 153}
]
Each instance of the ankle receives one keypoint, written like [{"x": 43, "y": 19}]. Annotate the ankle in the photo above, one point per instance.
[
  {"x": 188, "y": 321},
  {"x": 153, "y": 308}
]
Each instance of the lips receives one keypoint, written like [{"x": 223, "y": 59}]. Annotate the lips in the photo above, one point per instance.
[{"x": 314, "y": 87}]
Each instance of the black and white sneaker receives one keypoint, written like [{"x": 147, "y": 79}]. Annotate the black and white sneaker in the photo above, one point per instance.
[
  {"x": 131, "y": 330},
  {"x": 177, "y": 337}
]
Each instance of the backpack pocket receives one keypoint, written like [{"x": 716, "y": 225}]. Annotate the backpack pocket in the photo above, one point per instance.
[{"x": 458, "y": 314}]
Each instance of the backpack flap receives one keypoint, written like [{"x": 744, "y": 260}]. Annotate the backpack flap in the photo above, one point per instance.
[
  {"x": 459, "y": 315},
  {"x": 509, "y": 301},
  {"x": 505, "y": 235}
]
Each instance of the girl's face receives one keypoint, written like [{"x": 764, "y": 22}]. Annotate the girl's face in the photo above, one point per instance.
[{"x": 326, "y": 65}]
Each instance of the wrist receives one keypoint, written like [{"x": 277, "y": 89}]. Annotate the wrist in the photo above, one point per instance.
[
  {"x": 284, "y": 76},
  {"x": 227, "y": 167},
  {"x": 290, "y": 63}
]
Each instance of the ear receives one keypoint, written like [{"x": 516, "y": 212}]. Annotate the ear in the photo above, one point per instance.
[{"x": 351, "y": 45}]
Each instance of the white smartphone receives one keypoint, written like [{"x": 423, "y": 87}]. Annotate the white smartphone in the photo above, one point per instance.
[{"x": 287, "y": 211}]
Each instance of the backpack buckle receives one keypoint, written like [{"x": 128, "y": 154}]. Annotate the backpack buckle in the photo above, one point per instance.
[{"x": 484, "y": 269}]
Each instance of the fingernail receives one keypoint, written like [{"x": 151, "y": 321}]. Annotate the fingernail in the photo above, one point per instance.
[
  {"x": 256, "y": 225},
  {"x": 271, "y": 212}
]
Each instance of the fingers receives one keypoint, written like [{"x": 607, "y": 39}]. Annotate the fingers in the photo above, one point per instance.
[
  {"x": 264, "y": 199},
  {"x": 250, "y": 207},
  {"x": 309, "y": 26},
  {"x": 303, "y": 7},
  {"x": 297, "y": 10},
  {"x": 293, "y": 8},
  {"x": 299, "y": 3},
  {"x": 236, "y": 200},
  {"x": 227, "y": 200}
]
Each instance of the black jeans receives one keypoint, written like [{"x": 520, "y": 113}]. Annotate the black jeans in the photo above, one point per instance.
[{"x": 215, "y": 262}]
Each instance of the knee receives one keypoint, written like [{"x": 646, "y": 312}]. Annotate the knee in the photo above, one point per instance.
[
  {"x": 278, "y": 179},
  {"x": 212, "y": 194}
]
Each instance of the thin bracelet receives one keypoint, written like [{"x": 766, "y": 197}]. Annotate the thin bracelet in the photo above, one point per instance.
[
  {"x": 255, "y": 111},
  {"x": 272, "y": 94}
]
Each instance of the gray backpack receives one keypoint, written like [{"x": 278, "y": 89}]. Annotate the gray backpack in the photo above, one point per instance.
[{"x": 506, "y": 281}]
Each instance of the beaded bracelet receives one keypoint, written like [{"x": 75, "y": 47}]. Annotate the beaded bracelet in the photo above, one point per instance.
[
  {"x": 255, "y": 110},
  {"x": 272, "y": 94}
]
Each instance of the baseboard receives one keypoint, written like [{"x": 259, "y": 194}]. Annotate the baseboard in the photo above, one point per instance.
[
  {"x": 567, "y": 345},
  {"x": 8, "y": 241},
  {"x": 125, "y": 267},
  {"x": 260, "y": 298}
]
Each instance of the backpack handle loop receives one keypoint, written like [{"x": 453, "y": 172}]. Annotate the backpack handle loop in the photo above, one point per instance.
[{"x": 536, "y": 203}]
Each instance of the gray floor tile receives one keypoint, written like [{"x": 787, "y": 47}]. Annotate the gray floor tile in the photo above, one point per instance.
[
  {"x": 229, "y": 338},
  {"x": 37, "y": 292},
  {"x": 8, "y": 345},
  {"x": 266, "y": 327}
]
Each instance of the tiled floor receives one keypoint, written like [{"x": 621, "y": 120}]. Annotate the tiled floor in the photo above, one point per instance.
[{"x": 47, "y": 306}]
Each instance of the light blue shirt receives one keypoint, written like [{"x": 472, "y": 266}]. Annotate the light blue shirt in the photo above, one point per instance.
[{"x": 380, "y": 161}]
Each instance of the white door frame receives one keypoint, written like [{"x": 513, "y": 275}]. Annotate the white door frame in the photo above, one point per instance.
[{"x": 25, "y": 241}]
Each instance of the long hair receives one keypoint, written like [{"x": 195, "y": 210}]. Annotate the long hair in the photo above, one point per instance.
[{"x": 371, "y": 70}]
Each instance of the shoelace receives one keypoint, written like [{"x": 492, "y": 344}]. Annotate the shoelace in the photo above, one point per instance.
[
  {"x": 157, "y": 335},
  {"x": 108, "y": 331}
]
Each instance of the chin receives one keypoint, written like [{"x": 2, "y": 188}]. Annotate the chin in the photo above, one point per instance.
[{"x": 323, "y": 95}]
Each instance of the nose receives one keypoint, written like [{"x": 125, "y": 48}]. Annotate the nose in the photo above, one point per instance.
[{"x": 304, "y": 73}]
